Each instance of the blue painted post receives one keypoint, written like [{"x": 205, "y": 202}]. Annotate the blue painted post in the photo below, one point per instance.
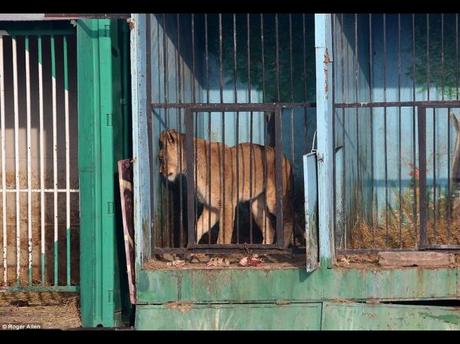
[
  {"x": 141, "y": 157},
  {"x": 325, "y": 154}
]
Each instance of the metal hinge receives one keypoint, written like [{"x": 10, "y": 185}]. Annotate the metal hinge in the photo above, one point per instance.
[{"x": 109, "y": 119}]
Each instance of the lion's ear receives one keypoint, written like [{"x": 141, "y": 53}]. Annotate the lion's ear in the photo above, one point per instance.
[
  {"x": 171, "y": 136},
  {"x": 455, "y": 121}
]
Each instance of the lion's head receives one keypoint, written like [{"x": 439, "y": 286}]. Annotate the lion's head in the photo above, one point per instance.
[{"x": 171, "y": 155}]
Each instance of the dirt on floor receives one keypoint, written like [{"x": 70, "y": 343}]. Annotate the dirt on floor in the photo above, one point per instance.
[
  {"x": 39, "y": 311},
  {"x": 376, "y": 261},
  {"x": 225, "y": 261}
]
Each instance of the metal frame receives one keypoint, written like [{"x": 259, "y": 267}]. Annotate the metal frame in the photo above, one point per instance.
[{"x": 28, "y": 36}]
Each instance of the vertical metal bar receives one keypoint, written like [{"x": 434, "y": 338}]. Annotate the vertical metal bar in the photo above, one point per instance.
[
  {"x": 371, "y": 84},
  {"x": 344, "y": 183},
  {"x": 334, "y": 143},
  {"x": 221, "y": 91},
  {"x": 193, "y": 56},
  {"x": 262, "y": 50},
  {"x": 414, "y": 148},
  {"x": 304, "y": 46},
  {"x": 449, "y": 191},
  {"x": 277, "y": 60},
  {"x": 29, "y": 161},
  {"x": 294, "y": 193},
  {"x": 179, "y": 121},
  {"x": 195, "y": 119},
  {"x": 399, "y": 132},
  {"x": 251, "y": 124},
  {"x": 209, "y": 119},
  {"x": 42, "y": 161},
  {"x": 434, "y": 173},
  {"x": 67, "y": 155},
  {"x": 154, "y": 229},
  {"x": 16, "y": 157},
  {"x": 278, "y": 178},
  {"x": 55, "y": 169},
  {"x": 356, "y": 72},
  {"x": 385, "y": 124},
  {"x": 237, "y": 129},
  {"x": 169, "y": 217},
  {"x": 189, "y": 150},
  {"x": 442, "y": 56},
  {"x": 456, "y": 54},
  {"x": 422, "y": 175},
  {"x": 428, "y": 54},
  {"x": 2, "y": 126}
]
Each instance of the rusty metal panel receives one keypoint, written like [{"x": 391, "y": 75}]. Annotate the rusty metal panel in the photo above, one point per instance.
[{"x": 311, "y": 211}]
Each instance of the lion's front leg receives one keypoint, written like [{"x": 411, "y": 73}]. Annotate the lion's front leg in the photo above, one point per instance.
[
  {"x": 206, "y": 221},
  {"x": 227, "y": 218}
]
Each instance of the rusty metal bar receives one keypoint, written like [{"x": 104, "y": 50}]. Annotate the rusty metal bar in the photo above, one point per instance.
[
  {"x": 278, "y": 179},
  {"x": 431, "y": 103},
  {"x": 414, "y": 133},
  {"x": 3, "y": 148},
  {"x": 385, "y": 124},
  {"x": 237, "y": 128},
  {"x": 399, "y": 133},
  {"x": 434, "y": 172},
  {"x": 422, "y": 175},
  {"x": 442, "y": 56},
  {"x": 221, "y": 92},
  {"x": 169, "y": 216},
  {"x": 251, "y": 125},
  {"x": 209, "y": 119},
  {"x": 264, "y": 230},
  {"x": 179, "y": 121},
  {"x": 304, "y": 48},
  {"x": 371, "y": 83},
  {"x": 456, "y": 54},
  {"x": 148, "y": 86},
  {"x": 449, "y": 191},
  {"x": 189, "y": 156},
  {"x": 344, "y": 184},
  {"x": 428, "y": 54},
  {"x": 217, "y": 107}
]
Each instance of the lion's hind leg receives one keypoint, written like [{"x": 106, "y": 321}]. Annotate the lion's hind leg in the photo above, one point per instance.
[{"x": 260, "y": 214}]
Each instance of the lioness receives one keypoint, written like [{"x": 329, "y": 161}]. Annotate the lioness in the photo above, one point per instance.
[{"x": 231, "y": 183}]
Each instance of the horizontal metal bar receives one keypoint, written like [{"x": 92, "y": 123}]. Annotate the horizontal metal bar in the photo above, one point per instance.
[
  {"x": 232, "y": 106},
  {"x": 428, "y": 104},
  {"x": 373, "y": 250},
  {"x": 40, "y": 190},
  {"x": 36, "y": 32},
  {"x": 440, "y": 247},
  {"x": 223, "y": 250},
  {"x": 233, "y": 246},
  {"x": 70, "y": 289}
]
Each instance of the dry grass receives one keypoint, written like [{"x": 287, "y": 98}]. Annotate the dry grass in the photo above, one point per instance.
[
  {"x": 400, "y": 227},
  {"x": 47, "y": 310}
]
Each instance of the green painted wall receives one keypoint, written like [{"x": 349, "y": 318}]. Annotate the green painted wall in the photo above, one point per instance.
[
  {"x": 295, "y": 284},
  {"x": 389, "y": 317},
  {"x": 229, "y": 317},
  {"x": 101, "y": 145},
  {"x": 300, "y": 316}
]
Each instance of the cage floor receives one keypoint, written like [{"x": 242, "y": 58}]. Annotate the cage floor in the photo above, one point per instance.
[
  {"x": 374, "y": 260},
  {"x": 226, "y": 261}
]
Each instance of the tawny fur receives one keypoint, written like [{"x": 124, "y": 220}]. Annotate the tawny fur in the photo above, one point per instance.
[{"x": 222, "y": 186}]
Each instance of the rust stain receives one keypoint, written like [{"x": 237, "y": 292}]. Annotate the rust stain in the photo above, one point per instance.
[
  {"x": 183, "y": 307},
  {"x": 326, "y": 61}
]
